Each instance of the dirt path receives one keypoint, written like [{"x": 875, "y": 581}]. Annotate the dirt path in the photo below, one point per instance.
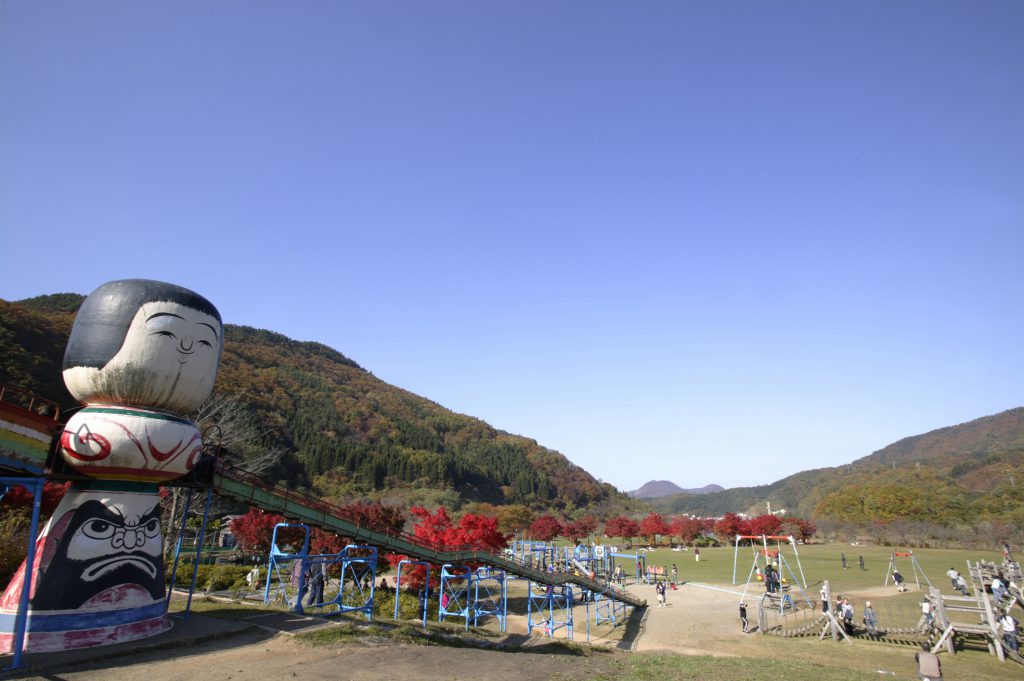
[
  {"x": 698, "y": 620},
  {"x": 281, "y": 657}
]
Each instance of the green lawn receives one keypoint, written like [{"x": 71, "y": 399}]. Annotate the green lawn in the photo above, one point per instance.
[{"x": 821, "y": 562}]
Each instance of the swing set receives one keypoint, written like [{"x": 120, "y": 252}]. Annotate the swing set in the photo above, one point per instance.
[
  {"x": 287, "y": 571},
  {"x": 766, "y": 561},
  {"x": 914, "y": 565}
]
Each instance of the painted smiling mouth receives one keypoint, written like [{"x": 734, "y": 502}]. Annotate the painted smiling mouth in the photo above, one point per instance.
[{"x": 97, "y": 570}]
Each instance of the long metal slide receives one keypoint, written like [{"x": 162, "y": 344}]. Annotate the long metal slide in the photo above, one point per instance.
[{"x": 251, "y": 490}]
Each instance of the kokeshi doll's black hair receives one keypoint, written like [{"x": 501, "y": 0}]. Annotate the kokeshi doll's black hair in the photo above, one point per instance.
[{"x": 104, "y": 318}]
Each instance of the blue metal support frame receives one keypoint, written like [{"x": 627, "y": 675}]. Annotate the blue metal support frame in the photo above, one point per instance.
[
  {"x": 555, "y": 603},
  {"x": 494, "y": 603},
  {"x": 608, "y": 610},
  {"x": 177, "y": 550},
  {"x": 277, "y": 557},
  {"x": 456, "y": 581},
  {"x": 359, "y": 563},
  {"x": 35, "y": 486},
  {"x": 424, "y": 595},
  {"x": 638, "y": 566},
  {"x": 199, "y": 551}
]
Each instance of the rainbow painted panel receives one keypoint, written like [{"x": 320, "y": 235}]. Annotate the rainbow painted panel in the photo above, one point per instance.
[{"x": 25, "y": 436}]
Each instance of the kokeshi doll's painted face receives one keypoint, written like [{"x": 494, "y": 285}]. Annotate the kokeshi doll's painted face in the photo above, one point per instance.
[{"x": 144, "y": 344}]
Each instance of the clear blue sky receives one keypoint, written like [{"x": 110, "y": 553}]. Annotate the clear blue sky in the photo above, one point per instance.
[{"x": 696, "y": 241}]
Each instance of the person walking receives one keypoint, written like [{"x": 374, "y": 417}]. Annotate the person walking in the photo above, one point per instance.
[
  {"x": 675, "y": 574},
  {"x": 860, "y": 561},
  {"x": 316, "y": 594},
  {"x": 870, "y": 619},
  {"x": 998, "y": 589},
  {"x": 927, "y": 617},
  {"x": 696, "y": 554},
  {"x": 847, "y": 611},
  {"x": 1008, "y": 625},
  {"x": 842, "y": 558}
]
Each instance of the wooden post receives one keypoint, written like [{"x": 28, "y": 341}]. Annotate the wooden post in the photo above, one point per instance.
[
  {"x": 997, "y": 639},
  {"x": 939, "y": 607}
]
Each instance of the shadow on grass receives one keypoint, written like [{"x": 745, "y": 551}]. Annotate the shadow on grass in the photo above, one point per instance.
[
  {"x": 635, "y": 626},
  {"x": 447, "y": 636}
]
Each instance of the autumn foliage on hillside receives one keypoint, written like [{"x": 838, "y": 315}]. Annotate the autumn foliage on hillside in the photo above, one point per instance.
[{"x": 334, "y": 420}]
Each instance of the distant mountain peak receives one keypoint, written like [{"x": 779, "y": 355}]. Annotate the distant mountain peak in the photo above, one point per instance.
[{"x": 664, "y": 488}]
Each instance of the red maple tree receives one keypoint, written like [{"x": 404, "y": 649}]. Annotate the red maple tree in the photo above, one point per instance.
[
  {"x": 731, "y": 525},
  {"x": 687, "y": 529},
  {"x": 545, "y": 528},
  {"x": 439, "y": 530},
  {"x": 588, "y": 523},
  {"x": 622, "y": 526},
  {"x": 19, "y": 497},
  {"x": 574, "y": 531},
  {"x": 651, "y": 526},
  {"x": 765, "y": 524},
  {"x": 255, "y": 530}
]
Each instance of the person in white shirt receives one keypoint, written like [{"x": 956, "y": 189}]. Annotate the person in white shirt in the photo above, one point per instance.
[
  {"x": 998, "y": 589},
  {"x": 1008, "y": 625}
]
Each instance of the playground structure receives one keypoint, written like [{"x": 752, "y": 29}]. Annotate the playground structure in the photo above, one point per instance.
[
  {"x": 597, "y": 562},
  {"x": 30, "y": 460},
  {"x": 769, "y": 563},
  {"x": 956, "y": 622},
  {"x": 914, "y": 565},
  {"x": 287, "y": 576}
]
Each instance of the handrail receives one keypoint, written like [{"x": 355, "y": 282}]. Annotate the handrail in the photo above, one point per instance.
[{"x": 41, "y": 409}]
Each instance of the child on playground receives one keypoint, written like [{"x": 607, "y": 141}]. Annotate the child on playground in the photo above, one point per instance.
[
  {"x": 660, "y": 590},
  {"x": 927, "y": 618},
  {"x": 870, "y": 619},
  {"x": 1008, "y": 626},
  {"x": 743, "y": 616},
  {"x": 898, "y": 579}
]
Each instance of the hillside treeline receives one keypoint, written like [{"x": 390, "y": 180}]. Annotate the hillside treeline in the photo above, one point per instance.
[{"x": 343, "y": 432}]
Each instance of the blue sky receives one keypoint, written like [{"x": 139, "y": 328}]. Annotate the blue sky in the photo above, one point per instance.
[{"x": 703, "y": 242}]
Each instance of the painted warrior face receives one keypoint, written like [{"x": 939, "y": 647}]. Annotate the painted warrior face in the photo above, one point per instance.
[
  {"x": 109, "y": 541},
  {"x": 107, "y": 553}
]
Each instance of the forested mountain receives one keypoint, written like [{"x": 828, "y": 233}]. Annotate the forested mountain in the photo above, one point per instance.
[
  {"x": 664, "y": 488},
  {"x": 960, "y": 474},
  {"x": 344, "y": 432}
]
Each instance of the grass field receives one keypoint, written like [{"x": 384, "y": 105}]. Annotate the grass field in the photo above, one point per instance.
[
  {"x": 821, "y": 562},
  {"x": 802, "y": 659}
]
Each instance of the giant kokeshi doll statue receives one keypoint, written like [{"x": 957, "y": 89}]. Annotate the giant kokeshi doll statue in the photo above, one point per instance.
[{"x": 142, "y": 355}]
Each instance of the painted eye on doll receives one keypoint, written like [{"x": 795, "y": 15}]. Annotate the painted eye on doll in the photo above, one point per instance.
[{"x": 98, "y": 529}]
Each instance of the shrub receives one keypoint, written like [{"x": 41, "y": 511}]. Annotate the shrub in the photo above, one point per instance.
[{"x": 14, "y": 526}]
